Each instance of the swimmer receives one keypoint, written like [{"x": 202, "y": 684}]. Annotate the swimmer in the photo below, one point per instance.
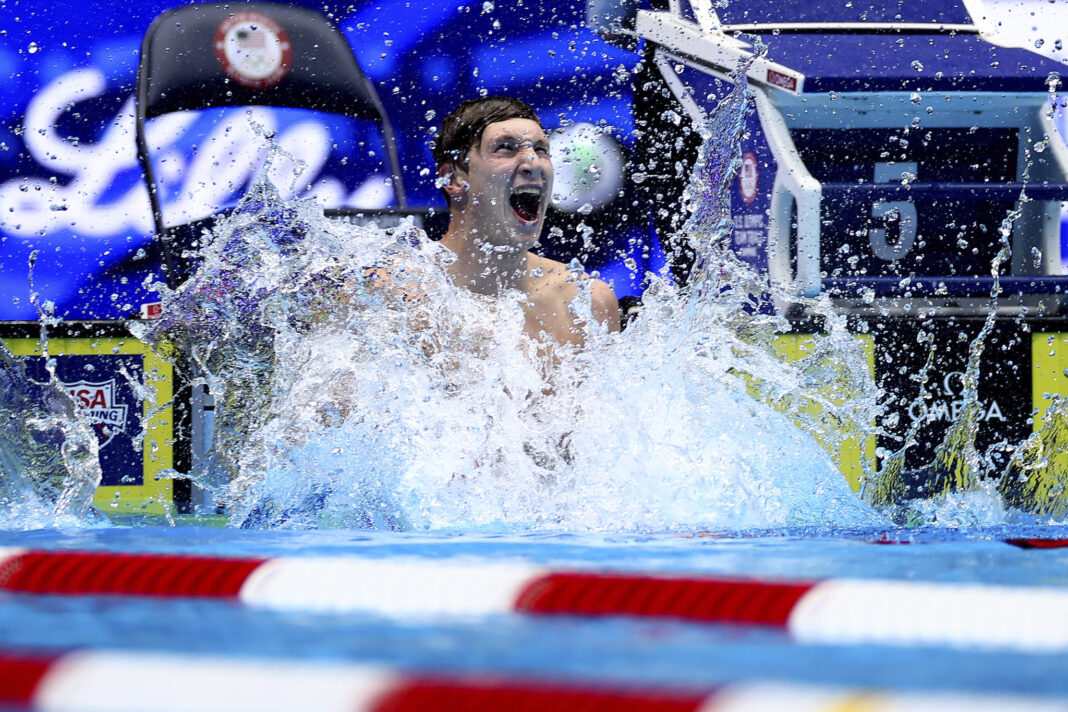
[{"x": 493, "y": 165}]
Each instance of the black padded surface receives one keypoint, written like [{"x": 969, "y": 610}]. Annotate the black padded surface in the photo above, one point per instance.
[{"x": 178, "y": 56}]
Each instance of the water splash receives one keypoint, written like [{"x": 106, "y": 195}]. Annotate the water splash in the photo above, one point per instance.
[
  {"x": 958, "y": 486},
  {"x": 357, "y": 386},
  {"x": 49, "y": 467},
  {"x": 828, "y": 389},
  {"x": 1035, "y": 478},
  {"x": 890, "y": 487}
]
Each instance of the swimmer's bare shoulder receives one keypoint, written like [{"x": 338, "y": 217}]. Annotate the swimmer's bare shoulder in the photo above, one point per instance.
[
  {"x": 394, "y": 281},
  {"x": 604, "y": 305},
  {"x": 553, "y": 281}
]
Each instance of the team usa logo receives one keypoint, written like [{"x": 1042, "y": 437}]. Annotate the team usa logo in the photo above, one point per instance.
[
  {"x": 253, "y": 49},
  {"x": 97, "y": 402}
]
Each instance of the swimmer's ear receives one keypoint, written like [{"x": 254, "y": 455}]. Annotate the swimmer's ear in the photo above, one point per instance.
[{"x": 455, "y": 187}]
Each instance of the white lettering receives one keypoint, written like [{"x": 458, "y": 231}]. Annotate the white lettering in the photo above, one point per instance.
[
  {"x": 216, "y": 171},
  {"x": 940, "y": 411},
  {"x": 92, "y": 166},
  {"x": 950, "y": 410},
  {"x": 748, "y": 237},
  {"x": 193, "y": 187},
  {"x": 106, "y": 415}
]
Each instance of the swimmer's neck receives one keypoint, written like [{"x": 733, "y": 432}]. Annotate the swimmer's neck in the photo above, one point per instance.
[{"x": 483, "y": 269}]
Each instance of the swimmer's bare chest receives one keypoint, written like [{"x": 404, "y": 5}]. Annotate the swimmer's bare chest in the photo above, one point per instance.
[
  {"x": 545, "y": 303},
  {"x": 548, "y": 317}
]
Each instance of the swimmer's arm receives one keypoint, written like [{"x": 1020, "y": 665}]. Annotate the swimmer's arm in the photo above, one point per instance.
[{"x": 604, "y": 305}]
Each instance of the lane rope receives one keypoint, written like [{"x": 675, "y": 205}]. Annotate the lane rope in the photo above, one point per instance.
[
  {"x": 848, "y": 611},
  {"x": 150, "y": 681}
]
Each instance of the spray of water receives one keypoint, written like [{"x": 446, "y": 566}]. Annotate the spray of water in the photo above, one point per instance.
[
  {"x": 49, "y": 456},
  {"x": 1035, "y": 477},
  {"x": 357, "y": 386}
]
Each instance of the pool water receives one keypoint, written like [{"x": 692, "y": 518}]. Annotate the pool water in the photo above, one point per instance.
[{"x": 610, "y": 651}]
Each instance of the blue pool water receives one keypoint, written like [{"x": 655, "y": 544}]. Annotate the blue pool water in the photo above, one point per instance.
[{"x": 606, "y": 651}]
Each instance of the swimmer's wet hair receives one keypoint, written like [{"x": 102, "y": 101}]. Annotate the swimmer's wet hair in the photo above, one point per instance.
[{"x": 462, "y": 129}]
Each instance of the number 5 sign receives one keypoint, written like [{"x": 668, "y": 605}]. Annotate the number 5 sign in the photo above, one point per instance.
[{"x": 897, "y": 235}]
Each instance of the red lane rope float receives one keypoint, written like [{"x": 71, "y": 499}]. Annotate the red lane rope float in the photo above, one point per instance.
[
  {"x": 130, "y": 574},
  {"x": 431, "y": 695},
  {"x": 20, "y": 676},
  {"x": 719, "y": 600},
  {"x": 1039, "y": 543}
]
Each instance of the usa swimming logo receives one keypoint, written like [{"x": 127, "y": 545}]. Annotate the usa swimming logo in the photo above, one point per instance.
[{"x": 96, "y": 400}]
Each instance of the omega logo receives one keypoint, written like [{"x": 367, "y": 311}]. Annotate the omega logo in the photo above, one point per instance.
[{"x": 948, "y": 407}]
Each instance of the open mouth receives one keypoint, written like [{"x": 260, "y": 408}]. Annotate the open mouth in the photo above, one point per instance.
[{"x": 526, "y": 203}]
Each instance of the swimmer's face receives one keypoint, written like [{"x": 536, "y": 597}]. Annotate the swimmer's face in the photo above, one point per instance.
[{"x": 507, "y": 182}]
